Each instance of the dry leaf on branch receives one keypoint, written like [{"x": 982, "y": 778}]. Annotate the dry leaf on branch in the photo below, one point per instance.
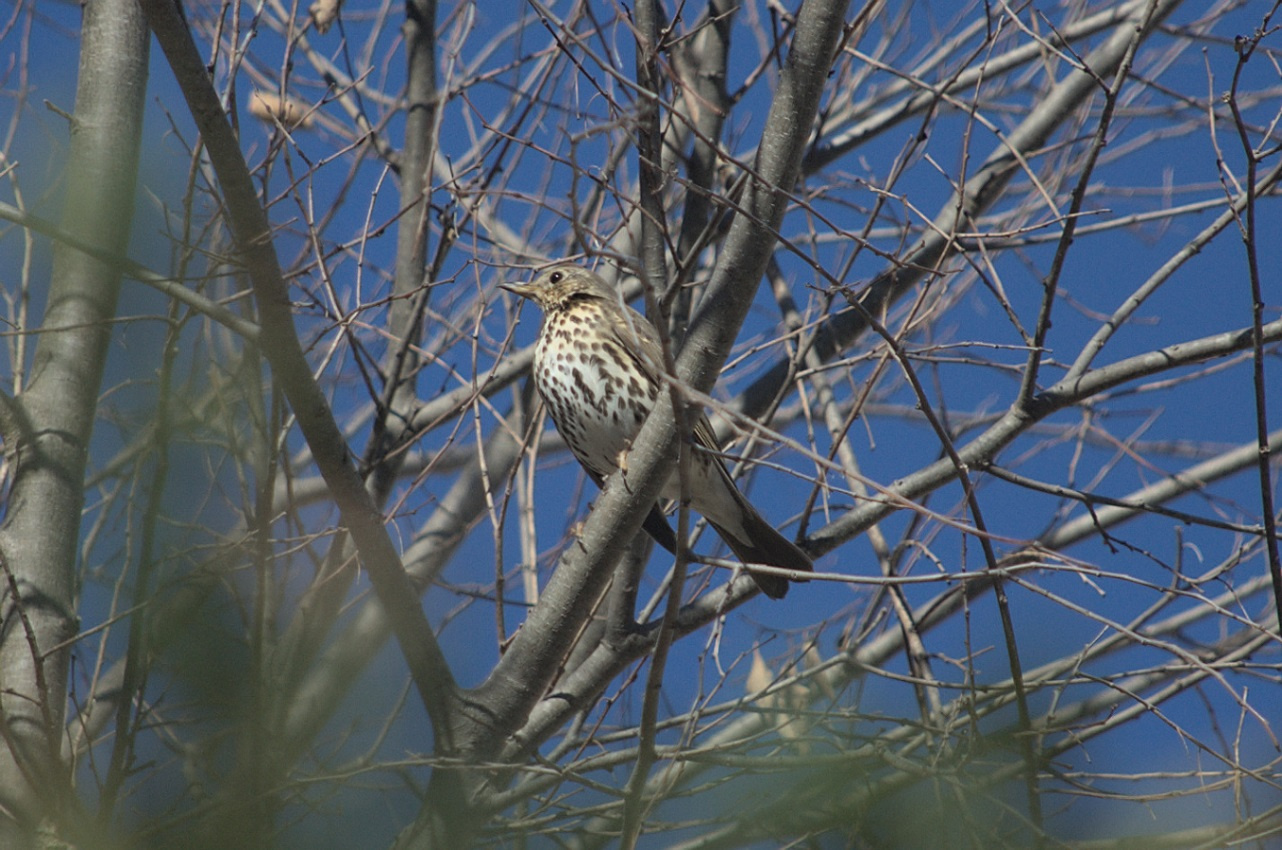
[{"x": 293, "y": 114}]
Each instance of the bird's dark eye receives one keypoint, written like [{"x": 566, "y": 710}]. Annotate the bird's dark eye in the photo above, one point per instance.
[{"x": 556, "y": 277}]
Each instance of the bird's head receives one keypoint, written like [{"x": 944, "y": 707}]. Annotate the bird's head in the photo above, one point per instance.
[{"x": 558, "y": 285}]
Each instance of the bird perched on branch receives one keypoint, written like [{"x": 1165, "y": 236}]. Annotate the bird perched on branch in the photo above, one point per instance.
[{"x": 598, "y": 365}]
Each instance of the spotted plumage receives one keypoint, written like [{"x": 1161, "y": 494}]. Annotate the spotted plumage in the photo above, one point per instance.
[{"x": 598, "y": 366}]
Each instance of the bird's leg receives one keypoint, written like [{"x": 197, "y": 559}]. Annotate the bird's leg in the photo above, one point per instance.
[{"x": 622, "y": 462}]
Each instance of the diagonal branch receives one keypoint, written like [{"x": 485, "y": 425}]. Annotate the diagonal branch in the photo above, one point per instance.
[
  {"x": 252, "y": 232},
  {"x": 531, "y": 664}
]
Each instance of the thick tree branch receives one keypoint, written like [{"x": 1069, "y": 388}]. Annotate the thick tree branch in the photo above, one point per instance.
[
  {"x": 530, "y": 664},
  {"x": 50, "y": 423}
]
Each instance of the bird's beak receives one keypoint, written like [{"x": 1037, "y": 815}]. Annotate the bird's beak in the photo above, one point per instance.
[{"x": 525, "y": 290}]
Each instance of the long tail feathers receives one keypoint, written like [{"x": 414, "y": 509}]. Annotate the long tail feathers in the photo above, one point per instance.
[
  {"x": 759, "y": 543},
  {"x": 767, "y": 546}
]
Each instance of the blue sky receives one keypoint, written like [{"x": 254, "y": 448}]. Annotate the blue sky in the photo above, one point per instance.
[{"x": 976, "y": 370}]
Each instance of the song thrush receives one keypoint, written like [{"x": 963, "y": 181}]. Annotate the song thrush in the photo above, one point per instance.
[{"x": 598, "y": 366}]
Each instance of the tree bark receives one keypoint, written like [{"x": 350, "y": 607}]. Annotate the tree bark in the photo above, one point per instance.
[{"x": 55, "y": 416}]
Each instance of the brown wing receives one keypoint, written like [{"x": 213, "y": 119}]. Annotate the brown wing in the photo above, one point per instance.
[
  {"x": 638, "y": 338},
  {"x": 636, "y": 334}
]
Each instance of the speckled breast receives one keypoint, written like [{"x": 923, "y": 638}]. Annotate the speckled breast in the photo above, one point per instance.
[{"x": 594, "y": 391}]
